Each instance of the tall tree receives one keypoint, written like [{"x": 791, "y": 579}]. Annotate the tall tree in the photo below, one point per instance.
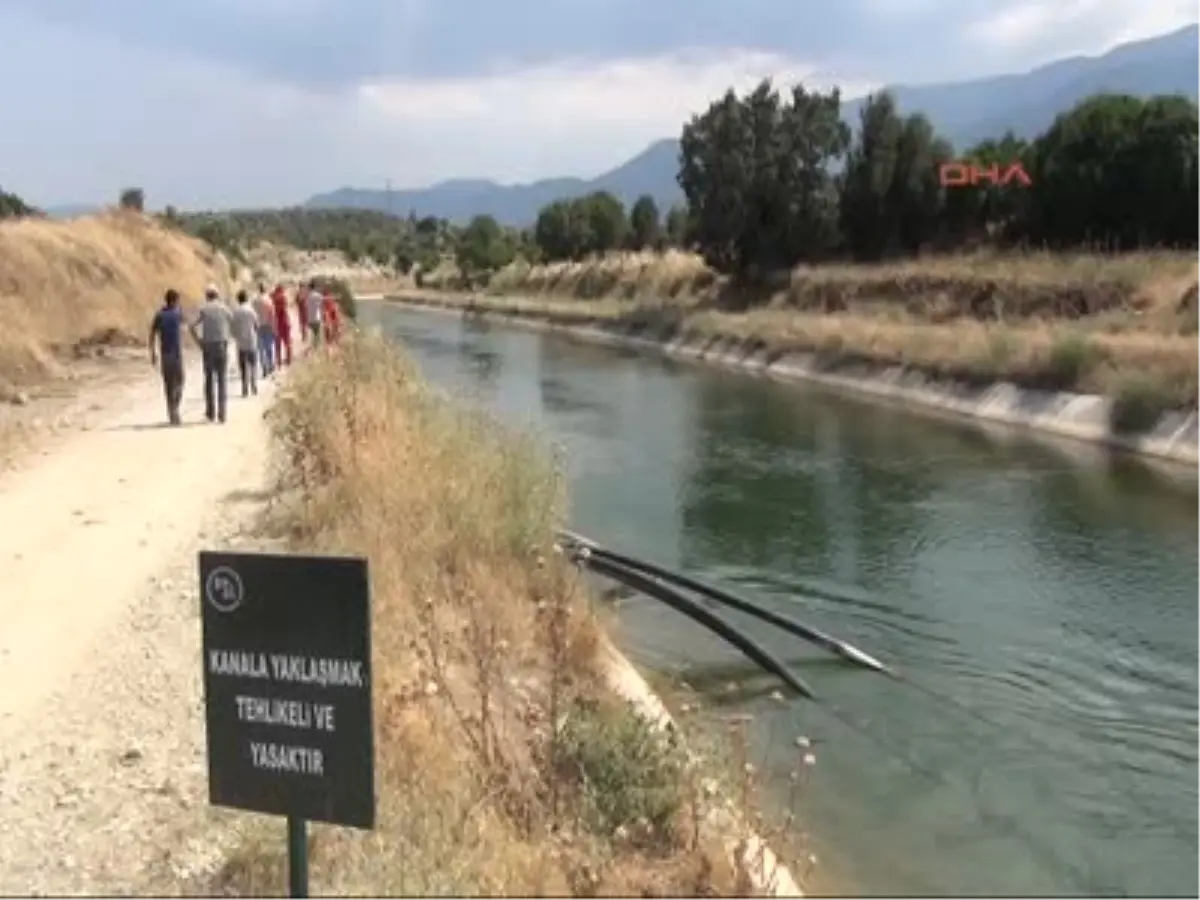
[
  {"x": 483, "y": 247},
  {"x": 607, "y": 224},
  {"x": 557, "y": 232},
  {"x": 756, "y": 174},
  {"x": 644, "y": 227},
  {"x": 677, "y": 226},
  {"x": 868, "y": 219},
  {"x": 916, "y": 193}
]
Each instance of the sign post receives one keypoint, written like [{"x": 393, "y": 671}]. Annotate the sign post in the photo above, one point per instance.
[
  {"x": 297, "y": 857},
  {"x": 287, "y": 691}
]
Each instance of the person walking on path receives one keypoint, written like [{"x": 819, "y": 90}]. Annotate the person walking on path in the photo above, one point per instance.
[
  {"x": 210, "y": 330},
  {"x": 314, "y": 301},
  {"x": 245, "y": 336},
  {"x": 302, "y": 310},
  {"x": 283, "y": 327},
  {"x": 264, "y": 310},
  {"x": 167, "y": 328},
  {"x": 330, "y": 312}
]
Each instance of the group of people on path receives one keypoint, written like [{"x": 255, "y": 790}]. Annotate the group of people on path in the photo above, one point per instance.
[{"x": 261, "y": 331}]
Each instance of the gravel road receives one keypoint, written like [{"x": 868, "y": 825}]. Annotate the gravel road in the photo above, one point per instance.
[{"x": 102, "y": 769}]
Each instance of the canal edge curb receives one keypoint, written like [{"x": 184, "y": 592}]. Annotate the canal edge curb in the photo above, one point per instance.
[
  {"x": 768, "y": 874},
  {"x": 1078, "y": 417}
]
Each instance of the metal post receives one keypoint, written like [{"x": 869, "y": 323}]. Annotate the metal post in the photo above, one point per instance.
[{"x": 297, "y": 829}]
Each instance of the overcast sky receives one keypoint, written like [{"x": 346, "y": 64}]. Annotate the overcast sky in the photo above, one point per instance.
[{"x": 209, "y": 103}]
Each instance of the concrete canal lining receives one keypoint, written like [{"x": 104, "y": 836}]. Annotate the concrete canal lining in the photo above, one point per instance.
[{"x": 1082, "y": 417}]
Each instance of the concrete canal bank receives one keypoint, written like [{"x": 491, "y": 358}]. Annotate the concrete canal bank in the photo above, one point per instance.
[{"x": 1083, "y": 417}]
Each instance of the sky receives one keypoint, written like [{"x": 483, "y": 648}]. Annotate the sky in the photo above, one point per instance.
[{"x": 240, "y": 103}]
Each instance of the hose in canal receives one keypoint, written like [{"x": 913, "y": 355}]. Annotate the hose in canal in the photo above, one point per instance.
[
  {"x": 841, "y": 648},
  {"x": 697, "y": 612}
]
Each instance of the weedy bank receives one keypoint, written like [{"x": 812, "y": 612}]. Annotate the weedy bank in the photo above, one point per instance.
[
  {"x": 504, "y": 767},
  {"x": 1123, "y": 326}
]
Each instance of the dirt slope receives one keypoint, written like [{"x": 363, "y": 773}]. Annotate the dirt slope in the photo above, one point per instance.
[
  {"x": 101, "y": 740},
  {"x": 88, "y": 280}
]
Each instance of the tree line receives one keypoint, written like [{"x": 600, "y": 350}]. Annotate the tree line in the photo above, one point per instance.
[
  {"x": 389, "y": 240},
  {"x": 13, "y": 207},
  {"x": 772, "y": 181},
  {"x": 568, "y": 229}
]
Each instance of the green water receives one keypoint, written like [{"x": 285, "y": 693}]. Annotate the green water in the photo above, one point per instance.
[{"x": 1044, "y": 608}]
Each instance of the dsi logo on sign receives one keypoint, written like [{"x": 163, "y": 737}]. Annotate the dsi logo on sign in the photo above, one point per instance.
[
  {"x": 965, "y": 174},
  {"x": 224, "y": 590}
]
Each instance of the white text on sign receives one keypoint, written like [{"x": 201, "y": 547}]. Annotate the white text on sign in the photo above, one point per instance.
[
  {"x": 284, "y": 667},
  {"x": 292, "y": 713},
  {"x": 283, "y": 758},
  {"x": 286, "y": 713}
]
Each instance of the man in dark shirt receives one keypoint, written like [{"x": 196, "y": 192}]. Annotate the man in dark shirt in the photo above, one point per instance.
[{"x": 167, "y": 327}]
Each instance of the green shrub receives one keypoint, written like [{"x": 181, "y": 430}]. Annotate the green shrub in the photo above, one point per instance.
[
  {"x": 631, "y": 776},
  {"x": 1137, "y": 405},
  {"x": 133, "y": 198},
  {"x": 13, "y": 207},
  {"x": 1071, "y": 356}
]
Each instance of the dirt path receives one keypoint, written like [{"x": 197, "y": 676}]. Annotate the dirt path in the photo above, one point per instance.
[{"x": 101, "y": 736}]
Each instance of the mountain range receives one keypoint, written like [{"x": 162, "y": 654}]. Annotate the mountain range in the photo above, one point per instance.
[
  {"x": 72, "y": 210},
  {"x": 965, "y": 112}
]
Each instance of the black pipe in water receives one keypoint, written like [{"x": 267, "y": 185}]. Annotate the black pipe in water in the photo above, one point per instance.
[
  {"x": 843, "y": 649},
  {"x": 695, "y": 611}
]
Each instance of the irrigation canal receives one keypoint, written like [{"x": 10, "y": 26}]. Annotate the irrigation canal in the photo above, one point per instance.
[{"x": 1043, "y": 604}]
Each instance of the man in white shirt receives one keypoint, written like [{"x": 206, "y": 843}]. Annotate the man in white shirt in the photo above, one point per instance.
[
  {"x": 315, "y": 301},
  {"x": 245, "y": 335},
  {"x": 210, "y": 329}
]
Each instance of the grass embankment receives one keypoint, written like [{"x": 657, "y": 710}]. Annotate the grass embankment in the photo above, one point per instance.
[
  {"x": 1122, "y": 326},
  {"x": 274, "y": 263},
  {"x": 68, "y": 286},
  {"x": 503, "y": 765}
]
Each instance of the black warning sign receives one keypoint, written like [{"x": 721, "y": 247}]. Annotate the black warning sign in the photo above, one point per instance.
[{"x": 287, "y": 685}]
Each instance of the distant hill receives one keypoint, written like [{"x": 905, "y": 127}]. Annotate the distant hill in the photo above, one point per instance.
[
  {"x": 650, "y": 172},
  {"x": 72, "y": 210},
  {"x": 970, "y": 111},
  {"x": 965, "y": 112}
]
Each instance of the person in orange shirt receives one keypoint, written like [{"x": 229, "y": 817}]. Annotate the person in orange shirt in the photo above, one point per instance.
[
  {"x": 332, "y": 321},
  {"x": 283, "y": 327}
]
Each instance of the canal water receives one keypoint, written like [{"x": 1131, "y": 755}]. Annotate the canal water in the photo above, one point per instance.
[{"x": 1043, "y": 608}]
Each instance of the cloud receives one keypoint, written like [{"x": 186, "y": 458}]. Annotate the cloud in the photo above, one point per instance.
[
  {"x": 568, "y": 118},
  {"x": 648, "y": 96},
  {"x": 333, "y": 44},
  {"x": 247, "y": 102},
  {"x": 195, "y": 132}
]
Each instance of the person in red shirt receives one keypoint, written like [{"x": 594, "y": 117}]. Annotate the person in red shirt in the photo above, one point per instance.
[
  {"x": 302, "y": 310},
  {"x": 283, "y": 327},
  {"x": 330, "y": 308}
]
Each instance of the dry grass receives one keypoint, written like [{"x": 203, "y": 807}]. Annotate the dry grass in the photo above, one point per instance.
[
  {"x": 65, "y": 285},
  {"x": 503, "y": 767},
  {"x": 984, "y": 284},
  {"x": 379, "y": 284},
  {"x": 270, "y": 263},
  {"x": 1112, "y": 325}
]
